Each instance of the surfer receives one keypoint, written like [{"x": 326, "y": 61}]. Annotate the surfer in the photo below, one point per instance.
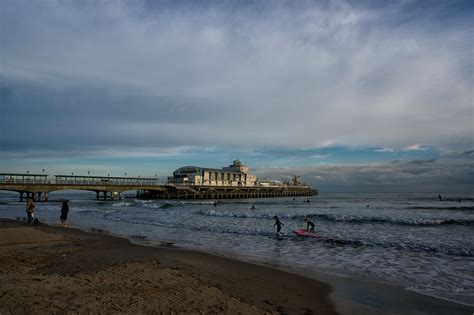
[
  {"x": 439, "y": 196},
  {"x": 309, "y": 224},
  {"x": 253, "y": 207},
  {"x": 215, "y": 203},
  {"x": 278, "y": 224}
]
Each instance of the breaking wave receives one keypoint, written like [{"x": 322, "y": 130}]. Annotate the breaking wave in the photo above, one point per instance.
[
  {"x": 461, "y": 208},
  {"x": 341, "y": 218},
  {"x": 457, "y": 251}
]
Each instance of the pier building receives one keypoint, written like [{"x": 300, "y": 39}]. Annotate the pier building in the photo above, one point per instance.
[{"x": 235, "y": 175}]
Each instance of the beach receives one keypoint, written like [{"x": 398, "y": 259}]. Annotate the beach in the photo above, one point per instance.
[
  {"x": 56, "y": 270},
  {"x": 49, "y": 269}
]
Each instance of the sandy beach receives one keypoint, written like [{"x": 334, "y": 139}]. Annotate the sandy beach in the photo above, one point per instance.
[
  {"x": 55, "y": 270},
  {"x": 48, "y": 269}
]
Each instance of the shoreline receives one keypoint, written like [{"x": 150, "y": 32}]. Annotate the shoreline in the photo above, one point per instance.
[
  {"x": 47, "y": 269},
  {"x": 334, "y": 294}
]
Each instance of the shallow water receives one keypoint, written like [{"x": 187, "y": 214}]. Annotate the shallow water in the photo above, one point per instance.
[{"x": 411, "y": 240}]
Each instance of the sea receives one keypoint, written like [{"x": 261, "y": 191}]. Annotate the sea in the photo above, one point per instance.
[{"x": 412, "y": 240}]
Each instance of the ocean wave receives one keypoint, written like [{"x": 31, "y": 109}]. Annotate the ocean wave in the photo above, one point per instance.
[
  {"x": 326, "y": 238},
  {"x": 461, "y": 208},
  {"x": 93, "y": 211},
  {"x": 340, "y": 218},
  {"x": 156, "y": 205},
  {"x": 123, "y": 204}
]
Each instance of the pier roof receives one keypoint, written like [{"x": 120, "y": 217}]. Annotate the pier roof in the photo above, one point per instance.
[
  {"x": 23, "y": 174},
  {"x": 210, "y": 169},
  {"x": 107, "y": 177}
]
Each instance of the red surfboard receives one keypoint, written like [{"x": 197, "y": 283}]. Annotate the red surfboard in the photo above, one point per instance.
[{"x": 306, "y": 233}]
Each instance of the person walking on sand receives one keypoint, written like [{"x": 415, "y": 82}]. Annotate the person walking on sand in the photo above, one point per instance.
[
  {"x": 278, "y": 224},
  {"x": 30, "y": 210},
  {"x": 64, "y": 212}
]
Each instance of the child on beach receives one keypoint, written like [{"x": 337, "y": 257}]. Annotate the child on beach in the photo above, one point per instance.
[
  {"x": 278, "y": 224},
  {"x": 309, "y": 224},
  {"x": 30, "y": 210},
  {"x": 64, "y": 212}
]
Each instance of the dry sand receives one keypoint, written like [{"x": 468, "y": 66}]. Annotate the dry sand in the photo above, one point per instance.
[{"x": 56, "y": 270}]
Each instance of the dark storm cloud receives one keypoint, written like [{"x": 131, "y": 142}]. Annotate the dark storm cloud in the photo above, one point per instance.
[{"x": 96, "y": 75}]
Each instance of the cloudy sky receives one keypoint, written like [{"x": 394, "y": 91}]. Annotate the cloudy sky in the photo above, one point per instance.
[{"x": 351, "y": 95}]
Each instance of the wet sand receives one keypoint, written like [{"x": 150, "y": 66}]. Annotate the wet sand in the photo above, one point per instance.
[{"x": 48, "y": 269}]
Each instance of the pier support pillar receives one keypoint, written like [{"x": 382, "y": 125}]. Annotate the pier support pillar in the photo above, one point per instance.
[
  {"x": 105, "y": 195},
  {"x": 21, "y": 196},
  {"x": 46, "y": 196},
  {"x": 97, "y": 195}
]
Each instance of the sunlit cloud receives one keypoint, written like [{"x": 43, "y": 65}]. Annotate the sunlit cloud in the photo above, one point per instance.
[
  {"x": 416, "y": 147},
  {"x": 384, "y": 150}
]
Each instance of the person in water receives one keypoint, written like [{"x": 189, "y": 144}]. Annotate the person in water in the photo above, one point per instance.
[
  {"x": 64, "y": 212},
  {"x": 278, "y": 224},
  {"x": 253, "y": 207},
  {"x": 309, "y": 225}
]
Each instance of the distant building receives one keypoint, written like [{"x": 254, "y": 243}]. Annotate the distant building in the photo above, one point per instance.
[
  {"x": 232, "y": 175},
  {"x": 269, "y": 183},
  {"x": 296, "y": 181}
]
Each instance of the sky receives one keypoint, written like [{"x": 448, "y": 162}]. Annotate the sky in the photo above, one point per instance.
[{"x": 350, "y": 95}]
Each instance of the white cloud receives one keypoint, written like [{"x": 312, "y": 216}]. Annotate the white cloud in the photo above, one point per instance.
[
  {"x": 384, "y": 149},
  {"x": 415, "y": 147}
]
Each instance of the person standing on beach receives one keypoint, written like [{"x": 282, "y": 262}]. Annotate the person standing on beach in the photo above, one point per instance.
[
  {"x": 64, "y": 212},
  {"x": 278, "y": 224},
  {"x": 30, "y": 210}
]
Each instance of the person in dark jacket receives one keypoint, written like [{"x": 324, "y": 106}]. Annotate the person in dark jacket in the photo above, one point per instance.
[
  {"x": 278, "y": 224},
  {"x": 64, "y": 212},
  {"x": 309, "y": 225},
  {"x": 30, "y": 210}
]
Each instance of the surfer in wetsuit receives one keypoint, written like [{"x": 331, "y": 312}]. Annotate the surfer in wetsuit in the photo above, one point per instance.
[
  {"x": 309, "y": 224},
  {"x": 278, "y": 224}
]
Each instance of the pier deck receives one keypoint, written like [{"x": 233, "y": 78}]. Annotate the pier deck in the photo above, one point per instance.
[{"x": 39, "y": 187}]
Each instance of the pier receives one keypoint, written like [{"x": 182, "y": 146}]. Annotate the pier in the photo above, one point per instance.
[
  {"x": 213, "y": 192},
  {"x": 39, "y": 186}
]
